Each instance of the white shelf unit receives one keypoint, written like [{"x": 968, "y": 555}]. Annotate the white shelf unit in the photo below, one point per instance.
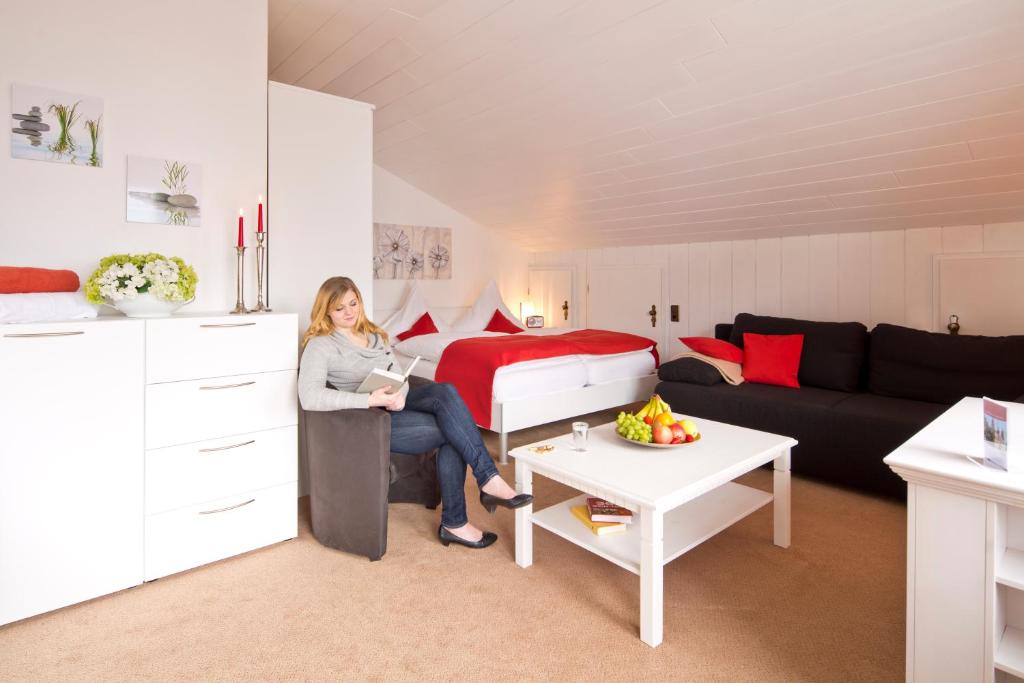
[
  {"x": 965, "y": 553},
  {"x": 1008, "y": 593},
  {"x": 685, "y": 527}
]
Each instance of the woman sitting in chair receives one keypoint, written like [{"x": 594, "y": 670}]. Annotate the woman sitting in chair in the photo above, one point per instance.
[{"x": 341, "y": 347}]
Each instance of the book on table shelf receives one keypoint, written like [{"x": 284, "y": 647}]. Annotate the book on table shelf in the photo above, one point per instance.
[
  {"x": 601, "y": 510},
  {"x": 385, "y": 378},
  {"x": 599, "y": 528}
]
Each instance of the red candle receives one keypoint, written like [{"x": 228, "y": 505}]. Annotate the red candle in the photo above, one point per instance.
[
  {"x": 241, "y": 233},
  {"x": 259, "y": 216}
]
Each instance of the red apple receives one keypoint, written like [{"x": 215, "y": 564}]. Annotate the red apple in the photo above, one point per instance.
[
  {"x": 661, "y": 434},
  {"x": 677, "y": 431}
]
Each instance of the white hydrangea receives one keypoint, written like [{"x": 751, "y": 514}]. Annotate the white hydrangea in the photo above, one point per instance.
[{"x": 124, "y": 281}]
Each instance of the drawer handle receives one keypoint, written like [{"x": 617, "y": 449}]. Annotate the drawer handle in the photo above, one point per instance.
[
  {"x": 224, "y": 448},
  {"x": 229, "y": 386},
  {"x": 230, "y": 507},
  {"x": 227, "y": 324},
  {"x": 45, "y": 334}
]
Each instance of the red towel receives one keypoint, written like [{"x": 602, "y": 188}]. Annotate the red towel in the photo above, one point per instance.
[
  {"x": 470, "y": 364},
  {"x": 14, "y": 280}
]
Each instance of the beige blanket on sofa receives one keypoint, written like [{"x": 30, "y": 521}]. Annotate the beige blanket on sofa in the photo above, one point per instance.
[{"x": 731, "y": 372}]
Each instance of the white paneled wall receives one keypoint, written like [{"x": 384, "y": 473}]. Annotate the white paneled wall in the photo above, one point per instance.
[{"x": 870, "y": 277}]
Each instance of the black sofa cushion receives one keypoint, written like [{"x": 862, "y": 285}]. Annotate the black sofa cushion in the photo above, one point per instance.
[
  {"x": 873, "y": 426},
  {"x": 943, "y": 368},
  {"x": 833, "y": 353},
  {"x": 690, "y": 370},
  {"x": 769, "y": 408},
  {"x": 846, "y": 451}
]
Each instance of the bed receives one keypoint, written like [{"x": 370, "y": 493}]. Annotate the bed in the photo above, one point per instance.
[
  {"x": 534, "y": 392},
  {"x": 528, "y": 393}
]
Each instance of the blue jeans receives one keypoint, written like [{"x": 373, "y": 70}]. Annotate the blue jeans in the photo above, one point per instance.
[{"x": 436, "y": 417}]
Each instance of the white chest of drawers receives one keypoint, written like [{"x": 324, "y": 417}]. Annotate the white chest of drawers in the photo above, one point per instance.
[
  {"x": 134, "y": 449},
  {"x": 221, "y": 438}
]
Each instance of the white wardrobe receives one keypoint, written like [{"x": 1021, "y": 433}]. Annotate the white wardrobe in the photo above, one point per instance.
[{"x": 320, "y": 202}]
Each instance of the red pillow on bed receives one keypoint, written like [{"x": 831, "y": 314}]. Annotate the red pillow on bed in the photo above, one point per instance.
[
  {"x": 772, "y": 358},
  {"x": 716, "y": 348},
  {"x": 500, "y": 323},
  {"x": 425, "y": 325}
]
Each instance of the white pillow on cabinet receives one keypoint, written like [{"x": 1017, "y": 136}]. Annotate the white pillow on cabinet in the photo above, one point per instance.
[
  {"x": 489, "y": 301},
  {"x": 45, "y": 307}
]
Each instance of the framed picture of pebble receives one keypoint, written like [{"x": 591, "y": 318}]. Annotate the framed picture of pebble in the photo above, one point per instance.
[
  {"x": 411, "y": 252},
  {"x": 50, "y": 125},
  {"x": 165, "y": 191}
]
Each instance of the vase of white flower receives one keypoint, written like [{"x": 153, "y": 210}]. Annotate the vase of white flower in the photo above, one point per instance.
[{"x": 142, "y": 285}]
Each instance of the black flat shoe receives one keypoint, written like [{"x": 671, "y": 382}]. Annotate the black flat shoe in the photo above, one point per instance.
[
  {"x": 491, "y": 502},
  {"x": 448, "y": 538}
]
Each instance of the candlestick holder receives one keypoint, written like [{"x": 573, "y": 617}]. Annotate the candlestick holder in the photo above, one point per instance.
[
  {"x": 260, "y": 266},
  {"x": 240, "y": 282}
]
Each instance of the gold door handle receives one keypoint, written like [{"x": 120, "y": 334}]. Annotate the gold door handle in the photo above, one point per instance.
[
  {"x": 654, "y": 315},
  {"x": 565, "y": 309}
]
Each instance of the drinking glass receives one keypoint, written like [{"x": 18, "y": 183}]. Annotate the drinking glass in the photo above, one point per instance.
[{"x": 579, "y": 436}]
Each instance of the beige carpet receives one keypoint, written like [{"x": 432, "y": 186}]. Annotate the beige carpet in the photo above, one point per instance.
[{"x": 737, "y": 608}]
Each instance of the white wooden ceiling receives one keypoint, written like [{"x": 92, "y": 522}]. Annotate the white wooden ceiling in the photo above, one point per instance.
[{"x": 570, "y": 123}]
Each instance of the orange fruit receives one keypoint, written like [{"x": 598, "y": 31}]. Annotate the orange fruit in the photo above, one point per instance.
[{"x": 665, "y": 419}]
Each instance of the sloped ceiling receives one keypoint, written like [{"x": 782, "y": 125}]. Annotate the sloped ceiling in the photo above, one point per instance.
[{"x": 571, "y": 123}]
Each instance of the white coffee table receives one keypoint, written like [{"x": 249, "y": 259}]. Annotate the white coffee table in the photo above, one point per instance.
[{"x": 680, "y": 497}]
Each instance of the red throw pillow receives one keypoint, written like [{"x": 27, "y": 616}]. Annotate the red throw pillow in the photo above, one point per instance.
[
  {"x": 500, "y": 323},
  {"x": 425, "y": 325},
  {"x": 772, "y": 358},
  {"x": 716, "y": 348}
]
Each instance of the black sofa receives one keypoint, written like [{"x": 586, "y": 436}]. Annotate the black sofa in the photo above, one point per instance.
[{"x": 861, "y": 394}]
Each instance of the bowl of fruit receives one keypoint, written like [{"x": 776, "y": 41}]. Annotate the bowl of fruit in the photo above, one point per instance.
[{"x": 655, "y": 426}]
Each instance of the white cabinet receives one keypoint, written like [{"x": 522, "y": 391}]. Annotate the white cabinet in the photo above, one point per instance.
[
  {"x": 965, "y": 552},
  {"x": 221, "y": 438},
  {"x": 70, "y": 463},
  {"x": 133, "y": 449}
]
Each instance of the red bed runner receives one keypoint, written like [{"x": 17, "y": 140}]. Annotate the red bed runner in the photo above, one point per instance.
[{"x": 470, "y": 364}]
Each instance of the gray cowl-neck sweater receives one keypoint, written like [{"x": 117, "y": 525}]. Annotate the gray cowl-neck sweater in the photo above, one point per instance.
[{"x": 335, "y": 360}]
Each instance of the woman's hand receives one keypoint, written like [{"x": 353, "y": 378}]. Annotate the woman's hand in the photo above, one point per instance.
[
  {"x": 382, "y": 398},
  {"x": 399, "y": 402}
]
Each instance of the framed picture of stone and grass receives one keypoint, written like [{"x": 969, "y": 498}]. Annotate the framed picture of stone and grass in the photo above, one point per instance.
[
  {"x": 411, "y": 252},
  {"x": 166, "y": 191},
  {"x": 57, "y": 126}
]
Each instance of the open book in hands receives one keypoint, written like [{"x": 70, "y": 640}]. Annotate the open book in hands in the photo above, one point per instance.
[{"x": 385, "y": 378}]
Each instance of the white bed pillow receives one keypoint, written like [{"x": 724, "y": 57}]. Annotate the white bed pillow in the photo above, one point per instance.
[
  {"x": 489, "y": 301},
  {"x": 45, "y": 307},
  {"x": 412, "y": 310}
]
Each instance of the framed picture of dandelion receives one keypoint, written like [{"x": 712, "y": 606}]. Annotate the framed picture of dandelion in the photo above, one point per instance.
[
  {"x": 166, "y": 191},
  {"x": 50, "y": 125},
  {"x": 411, "y": 252}
]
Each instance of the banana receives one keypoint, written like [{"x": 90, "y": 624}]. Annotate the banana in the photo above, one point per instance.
[
  {"x": 650, "y": 409},
  {"x": 663, "y": 407},
  {"x": 646, "y": 410}
]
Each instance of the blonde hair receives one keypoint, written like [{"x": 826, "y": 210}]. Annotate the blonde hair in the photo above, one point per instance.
[{"x": 327, "y": 297}]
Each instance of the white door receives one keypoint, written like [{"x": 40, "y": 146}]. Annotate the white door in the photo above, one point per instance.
[
  {"x": 622, "y": 298},
  {"x": 552, "y": 295},
  {"x": 976, "y": 288},
  {"x": 71, "y": 463}
]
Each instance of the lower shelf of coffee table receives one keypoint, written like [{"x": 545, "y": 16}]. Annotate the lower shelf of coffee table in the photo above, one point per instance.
[{"x": 684, "y": 527}]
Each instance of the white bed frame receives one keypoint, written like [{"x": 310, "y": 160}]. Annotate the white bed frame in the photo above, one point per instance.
[{"x": 520, "y": 413}]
